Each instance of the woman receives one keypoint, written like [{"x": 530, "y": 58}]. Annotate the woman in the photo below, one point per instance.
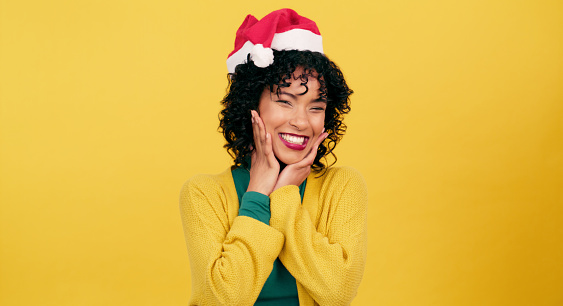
[{"x": 279, "y": 227}]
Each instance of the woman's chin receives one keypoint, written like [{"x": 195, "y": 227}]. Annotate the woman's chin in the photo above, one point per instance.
[
  {"x": 288, "y": 156},
  {"x": 288, "y": 160}
]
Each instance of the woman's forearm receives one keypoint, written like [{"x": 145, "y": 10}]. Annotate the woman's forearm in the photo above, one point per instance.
[
  {"x": 328, "y": 259},
  {"x": 229, "y": 264}
]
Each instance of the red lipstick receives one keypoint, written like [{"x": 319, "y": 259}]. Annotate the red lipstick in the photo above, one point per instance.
[{"x": 294, "y": 146}]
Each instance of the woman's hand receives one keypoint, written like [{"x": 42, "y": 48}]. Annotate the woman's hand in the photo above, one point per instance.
[
  {"x": 295, "y": 174},
  {"x": 265, "y": 167}
]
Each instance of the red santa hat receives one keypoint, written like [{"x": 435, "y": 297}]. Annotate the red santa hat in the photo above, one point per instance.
[{"x": 280, "y": 30}]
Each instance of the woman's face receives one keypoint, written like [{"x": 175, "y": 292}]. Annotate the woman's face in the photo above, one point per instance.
[{"x": 294, "y": 119}]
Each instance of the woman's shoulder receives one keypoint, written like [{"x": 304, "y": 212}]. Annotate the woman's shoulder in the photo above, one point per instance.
[
  {"x": 340, "y": 185},
  {"x": 209, "y": 197},
  {"x": 339, "y": 178},
  {"x": 206, "y": 183},
  {"x": 341, "y": 174}
]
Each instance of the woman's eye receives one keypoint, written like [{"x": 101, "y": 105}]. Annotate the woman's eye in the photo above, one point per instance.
[
  {"x": 318, "y": 109},
  {"x": 284, "y": 102}
]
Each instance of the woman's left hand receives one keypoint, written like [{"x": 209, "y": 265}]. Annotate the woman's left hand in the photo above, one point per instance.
[{"x": 295, "y": 174}]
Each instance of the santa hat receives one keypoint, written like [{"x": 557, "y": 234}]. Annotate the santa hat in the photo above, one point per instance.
[{"x": 280, "y": 30}]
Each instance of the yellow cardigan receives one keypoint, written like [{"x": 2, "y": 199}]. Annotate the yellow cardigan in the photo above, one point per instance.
[{"x": 322, "y": 242}]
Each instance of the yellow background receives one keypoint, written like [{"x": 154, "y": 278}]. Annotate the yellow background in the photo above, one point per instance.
[{"x": 107, "y": 107}]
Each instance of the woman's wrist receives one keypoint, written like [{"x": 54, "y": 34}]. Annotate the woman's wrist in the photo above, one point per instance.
[
  {"x": 255, "y": 205},
  {"x": 260, "y": 189}
]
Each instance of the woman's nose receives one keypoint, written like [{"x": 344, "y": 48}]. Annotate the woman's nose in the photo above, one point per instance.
[{"x": 299, "y": 120}]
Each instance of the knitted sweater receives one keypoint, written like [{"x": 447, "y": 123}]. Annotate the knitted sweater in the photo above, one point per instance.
[{"x": 322, "y": 242}]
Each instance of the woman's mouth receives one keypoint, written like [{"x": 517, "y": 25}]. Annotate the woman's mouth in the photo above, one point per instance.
[{"x": 294, "y": 142}]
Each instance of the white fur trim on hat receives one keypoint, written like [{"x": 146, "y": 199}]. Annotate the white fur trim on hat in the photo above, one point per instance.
[{"x": 296, "y": 39}]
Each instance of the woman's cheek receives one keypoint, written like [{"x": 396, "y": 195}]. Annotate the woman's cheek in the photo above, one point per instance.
[{"x": 320, "y": 124}]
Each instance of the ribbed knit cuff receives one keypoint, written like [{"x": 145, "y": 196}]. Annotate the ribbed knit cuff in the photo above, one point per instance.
[{"x": 255, "y": 205}]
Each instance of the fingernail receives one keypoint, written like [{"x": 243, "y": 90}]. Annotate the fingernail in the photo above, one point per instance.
[{"x": 323, "y": 130}]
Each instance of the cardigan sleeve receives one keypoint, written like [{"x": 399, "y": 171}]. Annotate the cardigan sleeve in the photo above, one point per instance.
[
  {"x": 229, "y": 263},
  {"x": 328, "y": 259}
]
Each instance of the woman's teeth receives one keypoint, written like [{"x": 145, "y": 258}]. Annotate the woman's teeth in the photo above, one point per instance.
[{"x": 293, "y": 139}]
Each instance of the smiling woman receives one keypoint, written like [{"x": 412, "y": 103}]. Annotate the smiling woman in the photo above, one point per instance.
[
  {"x": 280, "y": 227},
  {"x": 295, "y": 73},
  {"x": 294, "y": 117}
]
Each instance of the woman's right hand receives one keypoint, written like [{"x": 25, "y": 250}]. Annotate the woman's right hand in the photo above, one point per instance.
[{"x": 265, "y": 167}]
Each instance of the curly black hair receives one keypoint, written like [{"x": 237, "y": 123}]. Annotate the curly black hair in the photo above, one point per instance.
[{"x": 248, "y": 82}]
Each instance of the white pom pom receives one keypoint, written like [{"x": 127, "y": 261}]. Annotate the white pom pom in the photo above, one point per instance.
[{"x": 262, "y": 57}]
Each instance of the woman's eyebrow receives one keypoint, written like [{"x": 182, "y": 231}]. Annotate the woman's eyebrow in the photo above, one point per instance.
[
  {"x": 287, "y": 93},
  {"x": 294, "y": 97}
]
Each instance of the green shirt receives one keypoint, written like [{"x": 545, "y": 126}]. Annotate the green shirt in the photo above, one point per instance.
[{"x": 280, "y": 287}]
